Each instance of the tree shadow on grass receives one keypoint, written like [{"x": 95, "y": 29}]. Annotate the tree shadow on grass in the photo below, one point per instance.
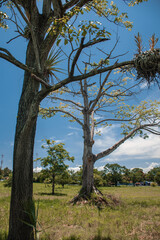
[
  {"x": 50, "y": 194},
  {"x": 97, "y": 237}
]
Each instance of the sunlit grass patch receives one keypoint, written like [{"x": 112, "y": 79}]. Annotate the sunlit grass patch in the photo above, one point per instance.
[{"x": 136, "y": 218}]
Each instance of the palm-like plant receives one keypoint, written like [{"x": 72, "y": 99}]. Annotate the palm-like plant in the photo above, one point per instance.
[{"x": 50, "y": 66}]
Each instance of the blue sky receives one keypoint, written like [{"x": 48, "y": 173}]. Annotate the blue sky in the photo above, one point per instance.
[{"x": 134, "y": 153}]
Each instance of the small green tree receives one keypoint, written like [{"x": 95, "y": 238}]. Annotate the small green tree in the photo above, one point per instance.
[
  {"x": 6, "y": 172},
  {"x": 115, "y": 171},
  {"x": 137, "y": 175},
  {"x": 76, "y": 177},
  {"x": 152, "y": 173},
  {"x": 98, "y": 179},
  {"x": 157, "y": 178},
  {"x": 8, "y": 181},
  {"x": 55, "y": 159},
  {"x": 63, "y": 178}
]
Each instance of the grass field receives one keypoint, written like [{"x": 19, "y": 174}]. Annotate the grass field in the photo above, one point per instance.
[{"x": 136, "y": 218}]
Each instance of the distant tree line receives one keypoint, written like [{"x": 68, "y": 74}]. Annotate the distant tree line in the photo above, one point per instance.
[{"x": 112, "y": 175}]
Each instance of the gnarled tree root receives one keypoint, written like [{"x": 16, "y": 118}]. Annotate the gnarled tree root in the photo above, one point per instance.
[{"x": 96, "y": 198}]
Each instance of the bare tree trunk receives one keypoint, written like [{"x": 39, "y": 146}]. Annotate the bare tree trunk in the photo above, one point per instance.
[
  {"x": 22, "y": 184},
  {"x": 87, "y": 178},
  {"x": 88, "y": 161}
]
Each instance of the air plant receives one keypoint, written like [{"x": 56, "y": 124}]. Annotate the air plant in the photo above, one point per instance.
[
  {"x": 147, "y": 63},
  {"x": 50, "y": 66}
]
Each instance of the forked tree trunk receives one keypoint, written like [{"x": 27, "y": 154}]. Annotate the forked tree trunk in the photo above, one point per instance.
[{"x": 22, "y": 184}]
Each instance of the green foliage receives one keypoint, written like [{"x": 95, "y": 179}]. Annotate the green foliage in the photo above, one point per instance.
[
  {"x": 140, "y": 115},
  {"x": 137, "y": 175},
  {"x": 32, "y": 212},
  {"x": 157, "y": 178},
  {"x": 98, "y": 178},
  {"x": 115, "y": 172},
  {"x": 152, "y": 173},
  {"x": 54, "y": 162},
  {"x": 50, "y": 66},
  {"x": 63, "y": 178},
  {"x": 154, "y": 184},
  {"x": 134, "y": 2},
  {"x": 56, "y": 157},
  {"x": 3, "y": 17},
  {"x": 76, "y": 177},
  {"x": 6, "y": 172},
  {"x": 8, "y": 181},
  {"x": 72, "y": 33}
]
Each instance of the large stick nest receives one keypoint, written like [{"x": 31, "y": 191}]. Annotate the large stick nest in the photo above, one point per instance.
[{"x": 147, "y": 65}]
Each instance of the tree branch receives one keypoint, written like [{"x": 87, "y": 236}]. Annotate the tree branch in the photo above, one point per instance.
[
  {"x": 65, "y": 112},
  {"x": 41, "y": 81},
  {"x": 43, "y": 93},
  {"x": 76, "y": 57},
  {"x": 100, "y": 92},
  {"x": 114, "y": 120},
  {"x": 68, "y": 101},
  {"x": 70, "y": 4},
  {"x": 114, "y": 147},
  {"x": 9, "y": 57}
]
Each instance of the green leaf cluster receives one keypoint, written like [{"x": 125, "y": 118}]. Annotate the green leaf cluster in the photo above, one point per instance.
[
  {"x": 57, "y": 154},
  {"x": 3, "y": 18},
  {"x": 139, "y": 115}
]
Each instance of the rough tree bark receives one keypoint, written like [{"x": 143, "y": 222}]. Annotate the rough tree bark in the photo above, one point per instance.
[
  {"x": 88, "y": 160},
  {"x": 22, "y": 186}
]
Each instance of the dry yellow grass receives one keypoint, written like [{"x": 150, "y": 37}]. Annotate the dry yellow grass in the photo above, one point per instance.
[{"x": 137, "y": 218}]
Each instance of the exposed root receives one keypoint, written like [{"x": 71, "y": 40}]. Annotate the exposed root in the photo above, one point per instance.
[{"x": 96, "y": 198}]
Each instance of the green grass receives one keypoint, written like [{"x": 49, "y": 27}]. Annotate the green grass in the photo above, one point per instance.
[{"x": 137, "y": 218}]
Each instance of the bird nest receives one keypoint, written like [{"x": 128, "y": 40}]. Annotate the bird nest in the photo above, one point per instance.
[{"x": 147, "y": 65}]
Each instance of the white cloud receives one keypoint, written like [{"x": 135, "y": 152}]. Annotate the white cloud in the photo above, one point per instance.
[
  {"x": 37, "y": 169},
  {"x": 140, "y": 148},
  {"x": 74, "y": 128},
  {"x": 151, "y": 166},
  {"x": 144, "y": 85},
  {"x": 107, "y": 138},
  {"x": 145, "y": 169},
  {"x": 70, "y": 134},
  {"x": 101, "y": 168},
  {"x": 57, "y": 140},
  {"x": 136, "y": 148},
  {"x": 75, "y": 169},
  {"x": 109, "y": 160},
  {"x": 96, "y": 117}
]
